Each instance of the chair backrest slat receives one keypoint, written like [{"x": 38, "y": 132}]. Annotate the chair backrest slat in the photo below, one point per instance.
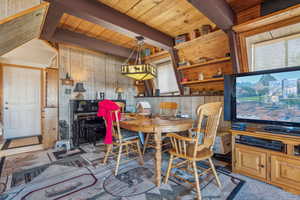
[
  {"x": 209, "y": 116},
  {"x": 116, "y": 130}
]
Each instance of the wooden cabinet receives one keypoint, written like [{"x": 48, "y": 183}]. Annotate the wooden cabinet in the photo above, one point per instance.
[
  {"x": 278, "y": 168},
  {"x": 253, "y": 163},
  {"x": 50, "y": 127},
  {"x": 285, "y": 172},
  {"x": 51, "y": 87}
]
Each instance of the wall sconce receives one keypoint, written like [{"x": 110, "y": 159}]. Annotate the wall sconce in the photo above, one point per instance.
[{"x": 67, "y": 80}]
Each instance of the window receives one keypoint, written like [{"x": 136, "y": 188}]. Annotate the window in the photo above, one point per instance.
[
  {"x": 278, "y": 53},
  {"x": 166, "y": 80}
]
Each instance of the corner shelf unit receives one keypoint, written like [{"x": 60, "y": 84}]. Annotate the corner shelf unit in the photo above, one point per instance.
[
  {"x": 203, "y": 81},
  {"x": 215, "y": 61},
  {"x": 156, "y": 56},
  {"x": 199, "y": 39}
]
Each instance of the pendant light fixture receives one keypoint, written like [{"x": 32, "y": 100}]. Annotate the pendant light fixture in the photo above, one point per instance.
[
  {"x": 68, "y": 80},
  {"x": 138, "y": 70}
]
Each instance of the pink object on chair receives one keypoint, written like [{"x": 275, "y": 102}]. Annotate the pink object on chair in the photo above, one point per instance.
[{"x": 104, "y": 110}]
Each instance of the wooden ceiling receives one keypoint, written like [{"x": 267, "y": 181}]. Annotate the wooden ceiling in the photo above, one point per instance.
[
  {"x": 172, "y": 17},
  {"x": 79, "y": 25}
]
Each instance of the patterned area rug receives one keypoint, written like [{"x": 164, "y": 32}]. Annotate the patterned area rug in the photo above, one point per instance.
[
  {"x": 22, "y": 142},
  {"x": 23, "y": 168},
  {"x": 81, "y": 176}
]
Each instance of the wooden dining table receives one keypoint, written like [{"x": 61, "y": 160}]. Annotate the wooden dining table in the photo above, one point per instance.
[{"x": 157, "y": 126}]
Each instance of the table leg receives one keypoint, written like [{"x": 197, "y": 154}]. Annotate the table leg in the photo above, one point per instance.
[
  {"x": 141, "y": 135},
  {"x": 157, "y": 137}
]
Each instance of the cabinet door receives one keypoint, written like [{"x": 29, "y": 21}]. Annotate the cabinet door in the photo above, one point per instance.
[
  {"x": 252, "y": 163},
  {"x": 50, "y": 127},
  {"x": 285, "y": 171},
  {"x": 51, "y": 88}
]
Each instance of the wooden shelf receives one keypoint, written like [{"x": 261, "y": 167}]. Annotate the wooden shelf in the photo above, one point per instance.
[
  {"x": 219, "y": 60},
  {"x": 203, "y": 38},
  {"x": 195, "y": 95},
  {"x": 156, "y": 56},
  {"x": 203, "y": 81}
]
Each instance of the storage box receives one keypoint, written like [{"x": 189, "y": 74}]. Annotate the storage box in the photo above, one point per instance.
[{"x": 222, "y": 143}]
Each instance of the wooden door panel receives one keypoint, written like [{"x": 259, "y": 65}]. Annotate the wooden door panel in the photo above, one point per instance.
[
  {"x": 285, "y": 171},
  {"x": 251, "y": 162}
]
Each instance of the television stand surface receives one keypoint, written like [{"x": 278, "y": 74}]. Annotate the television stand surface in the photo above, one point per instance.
[{"x": 284, "y": 130}]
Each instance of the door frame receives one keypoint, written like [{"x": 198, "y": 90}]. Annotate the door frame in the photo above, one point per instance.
[{"x": 42, "y": 94}]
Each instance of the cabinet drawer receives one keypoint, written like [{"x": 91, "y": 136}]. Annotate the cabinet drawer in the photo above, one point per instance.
[
  {"x": 252, "y": 163},
  {"x": 285, "y": 171}
]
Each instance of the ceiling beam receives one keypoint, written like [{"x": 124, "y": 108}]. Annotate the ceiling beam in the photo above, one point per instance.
[
  {"x": 103, "y": 15},
  {"x": 175, "y": 60},
  {"x": 218, "y": 11},
  {"x": 51, "y": 22},
  {"x": 77, "y": 39},
  {"x": 234, "y": 52}
]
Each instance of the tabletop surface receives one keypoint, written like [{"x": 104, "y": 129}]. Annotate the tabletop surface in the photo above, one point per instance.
[{"x": 148, "y": 124}]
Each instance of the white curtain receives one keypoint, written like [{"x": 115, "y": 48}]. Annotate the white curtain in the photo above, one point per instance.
[
  {"x": 166, "y": 78},
  {"x": 275, "y": 54}
]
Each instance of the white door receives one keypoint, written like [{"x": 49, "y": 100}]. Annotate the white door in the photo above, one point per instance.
[{"x": 21, "y": 102}]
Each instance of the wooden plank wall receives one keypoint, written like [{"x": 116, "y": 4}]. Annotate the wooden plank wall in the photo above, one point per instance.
[
  {"x": 11, "y": 7},
  {"x": 98, "y": 72}
]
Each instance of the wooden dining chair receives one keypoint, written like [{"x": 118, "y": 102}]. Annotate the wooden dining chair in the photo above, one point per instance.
[
  {"x": 130, "y": 141},
  {"x": 168, "y": 109},
  {"x": 121, "y": 105},
  {"x": 190, "y": 150}
]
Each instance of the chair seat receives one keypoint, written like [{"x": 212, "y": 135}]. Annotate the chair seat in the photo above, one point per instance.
[
  {"x": 201, "y": 155},
  {"x": 129, "y": 135}
]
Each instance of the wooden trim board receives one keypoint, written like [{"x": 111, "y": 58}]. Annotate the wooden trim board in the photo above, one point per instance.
[
  {"x": 266, "y": 23},
  {"x": 273, "y": 18}
]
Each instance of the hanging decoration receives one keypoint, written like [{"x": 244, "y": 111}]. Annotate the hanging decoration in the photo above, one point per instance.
[{"x": 138, "y": 70}]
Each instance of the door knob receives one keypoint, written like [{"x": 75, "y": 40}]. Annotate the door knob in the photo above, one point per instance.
[{"x": 6, "y": 108}]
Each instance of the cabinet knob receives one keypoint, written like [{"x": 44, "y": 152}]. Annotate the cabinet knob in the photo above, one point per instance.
[{"x": 262, "y": 166}]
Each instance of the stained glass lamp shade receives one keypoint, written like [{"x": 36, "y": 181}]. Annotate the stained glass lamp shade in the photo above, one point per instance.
[{"x": 138, "y": 70}]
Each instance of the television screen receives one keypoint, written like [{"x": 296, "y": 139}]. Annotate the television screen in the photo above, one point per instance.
[{"x": 273, "y": 97}]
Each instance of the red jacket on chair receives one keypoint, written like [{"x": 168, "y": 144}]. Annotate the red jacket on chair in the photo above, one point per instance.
[{"x": 104, "y": 110}]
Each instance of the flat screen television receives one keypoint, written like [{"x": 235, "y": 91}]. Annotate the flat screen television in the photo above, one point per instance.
[{"x": 270, "y": 97}]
